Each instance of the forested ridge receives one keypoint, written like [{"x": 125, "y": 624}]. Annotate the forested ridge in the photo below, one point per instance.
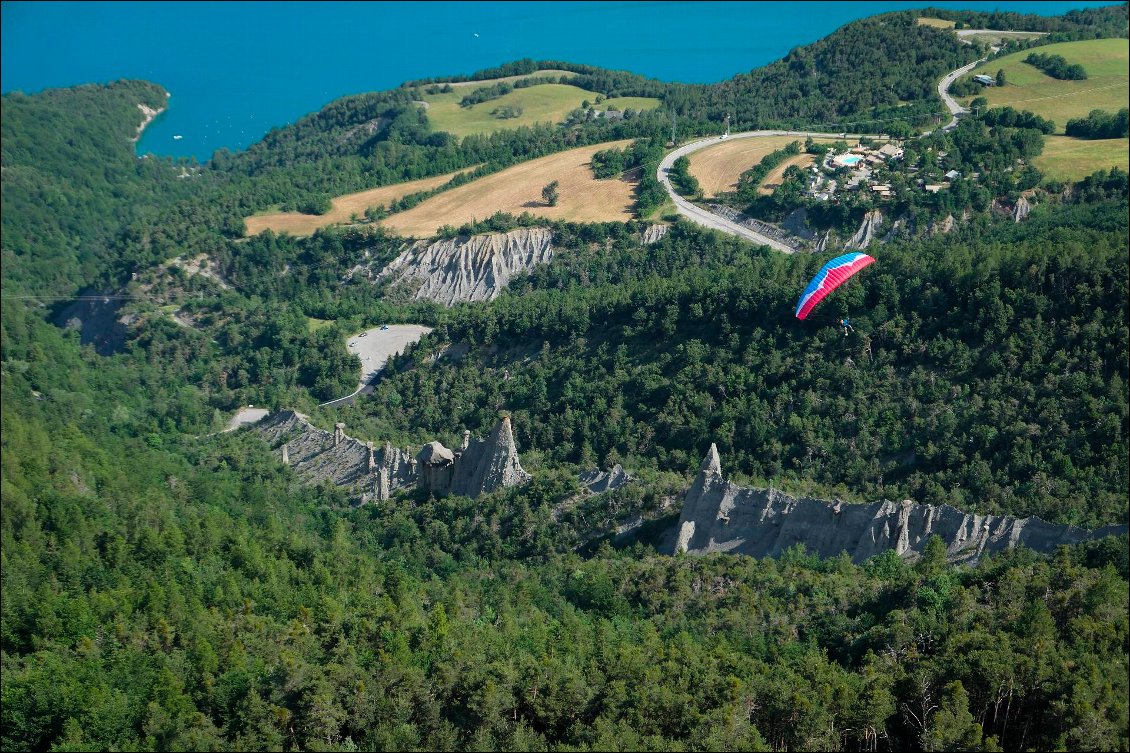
[
  {"x": 165, "y": 587},
  {"x": 67, "y": 191},
  {"x": 863, "y": 77}
]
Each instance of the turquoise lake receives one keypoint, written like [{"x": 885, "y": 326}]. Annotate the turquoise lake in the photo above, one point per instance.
[{"x": 236, "y": 70}]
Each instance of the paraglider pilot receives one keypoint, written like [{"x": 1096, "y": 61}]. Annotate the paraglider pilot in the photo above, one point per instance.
[{"x": 831, "y": 276}]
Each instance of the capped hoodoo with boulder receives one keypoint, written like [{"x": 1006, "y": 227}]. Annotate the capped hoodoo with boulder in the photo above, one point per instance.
[{"x": 479, "y": 466}]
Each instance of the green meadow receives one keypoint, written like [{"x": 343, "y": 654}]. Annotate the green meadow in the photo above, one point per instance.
[{"x": 543, "y": 103}]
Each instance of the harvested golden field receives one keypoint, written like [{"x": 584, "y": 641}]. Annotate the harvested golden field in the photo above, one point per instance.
[
  {"x": 937, "y": 23},
  {"x": 773, "y": 179},
  {"x": 344, "y": 207},
  {"x": 517, "y": 189},
  {"x": 719, "y": 167}
]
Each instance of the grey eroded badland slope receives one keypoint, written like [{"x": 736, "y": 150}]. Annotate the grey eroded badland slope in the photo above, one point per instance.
[
  {"x": 720, "y": 516},
  {"x": 479, "y": 466},
  {"x": 474, "y": 268}
]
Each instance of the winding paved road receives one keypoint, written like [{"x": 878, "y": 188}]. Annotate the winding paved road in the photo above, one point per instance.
[
  {"x": 709, "y": 219},
  {"x": 955, "y": 109}
]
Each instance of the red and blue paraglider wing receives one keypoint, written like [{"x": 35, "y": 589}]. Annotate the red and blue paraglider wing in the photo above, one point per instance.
[{"x": 831, "y": 276}]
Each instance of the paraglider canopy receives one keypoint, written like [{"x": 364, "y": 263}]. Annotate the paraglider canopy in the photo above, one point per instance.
[{"x": 831, "y": 276}]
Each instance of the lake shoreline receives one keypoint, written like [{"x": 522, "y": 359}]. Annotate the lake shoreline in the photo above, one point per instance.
[
  {"x": 233, "y": 95},
  {"x": 150, "y": 115}
]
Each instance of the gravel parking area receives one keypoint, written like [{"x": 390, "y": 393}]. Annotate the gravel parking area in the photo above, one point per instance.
[{"x": 375, "y": 346}]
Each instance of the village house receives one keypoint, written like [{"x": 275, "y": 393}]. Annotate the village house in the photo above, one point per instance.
[
  {"x": 608, "y": 114},
  {"x": 891, "y": 151}
]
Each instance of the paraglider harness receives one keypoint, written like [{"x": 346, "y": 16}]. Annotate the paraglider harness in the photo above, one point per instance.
[{"x": 846, "y": 324}]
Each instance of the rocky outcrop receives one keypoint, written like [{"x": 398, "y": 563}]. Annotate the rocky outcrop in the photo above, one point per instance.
[
  {"x": 822, "y": 242},
  {"x": 796, "y": 223},
  {"x": 479, "y": 466},
  {"x": 943, "y": 226},
  {"x": 867, "y": 232},
  {"x": 147, "y": 116},
  {"x": 653, "y": 234},
  {"x": 599, "y": 482},
  {"x": 484, "y": 465},
  {"x": 474, "y": 268},
  {"x": 901, "y": 226},
  {"x": 436, "y": 464},
  {"x": 1021, "y": 210},
  {"x": 369, "y": 128},
  {"x": 772, "y": 232},
  {"x": 318, "y": 455},
  {"x": 201, "y": 265},
  {"x": 720, "y": 516},
  {"x": 1016, "y": 212}
]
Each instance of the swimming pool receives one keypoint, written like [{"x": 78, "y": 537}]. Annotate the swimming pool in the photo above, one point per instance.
[{"x": 848, "y": 160}]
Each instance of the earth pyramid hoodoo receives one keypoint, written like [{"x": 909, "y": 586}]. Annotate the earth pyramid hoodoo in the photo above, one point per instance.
[{"x": 479, "y": 466}]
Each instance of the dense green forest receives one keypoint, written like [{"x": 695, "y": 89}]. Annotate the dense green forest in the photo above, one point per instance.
[
  {"x": 987, "y": 370},
  {"x": 67, "y": 192},
  {"x": 165, "y": 587},
  {"x": 165, "y": 593}
]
